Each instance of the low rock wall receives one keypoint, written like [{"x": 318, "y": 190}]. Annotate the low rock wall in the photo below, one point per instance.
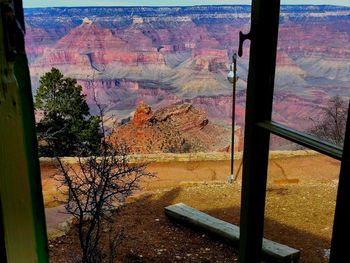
[{"x": 194, "y": 157}]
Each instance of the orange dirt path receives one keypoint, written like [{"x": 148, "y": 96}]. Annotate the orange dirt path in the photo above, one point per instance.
[{"x": 299, "y": 212}]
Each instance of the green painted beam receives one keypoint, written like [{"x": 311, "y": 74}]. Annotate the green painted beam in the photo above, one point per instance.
[
  {"x": 3, "y": 258},
  {"x": 262, "y": 62},
  {"x": 20, "y": 185},
  {"x": 309, "y": 141},
  {"x": 340, "y": 249}
]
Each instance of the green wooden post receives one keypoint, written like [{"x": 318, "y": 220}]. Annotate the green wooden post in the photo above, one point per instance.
[
  {"x": 263, "y": 36},
  {"x": 340, "y": 251},
  {"x": 20, "y": 185}
]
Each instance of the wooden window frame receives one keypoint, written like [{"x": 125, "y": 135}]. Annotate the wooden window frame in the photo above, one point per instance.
[
  {"x": 259, "y": 126},
  {"x": 22, "y": 217},
  {"x": 23, "y": 229}
]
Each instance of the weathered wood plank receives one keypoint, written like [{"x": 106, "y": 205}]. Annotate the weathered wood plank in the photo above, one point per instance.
[{"x": 272, "y": 251}]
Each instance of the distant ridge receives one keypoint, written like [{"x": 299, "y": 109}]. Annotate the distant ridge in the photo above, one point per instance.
[
  {"x": 204, "y": 13},
  {"x": 192, "y": 7}
]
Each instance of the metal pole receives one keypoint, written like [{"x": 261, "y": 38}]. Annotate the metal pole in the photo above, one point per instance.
[{"x": 234, "y": 64}]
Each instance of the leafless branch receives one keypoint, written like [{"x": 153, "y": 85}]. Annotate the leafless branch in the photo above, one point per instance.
[{"x": 96, "y": 186}]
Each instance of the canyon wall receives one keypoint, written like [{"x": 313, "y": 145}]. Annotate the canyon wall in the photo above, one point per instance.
[{"x": 172, "y": 55}]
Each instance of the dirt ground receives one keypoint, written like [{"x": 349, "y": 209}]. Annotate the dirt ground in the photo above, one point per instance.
[{"x": 299, "y": 211}]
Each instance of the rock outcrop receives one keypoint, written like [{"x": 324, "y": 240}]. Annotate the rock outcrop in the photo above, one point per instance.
[{"x": 177, "y": 128}]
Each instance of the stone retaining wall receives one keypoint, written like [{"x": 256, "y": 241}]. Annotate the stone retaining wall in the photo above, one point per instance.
[{"x": 185, "y": 157}]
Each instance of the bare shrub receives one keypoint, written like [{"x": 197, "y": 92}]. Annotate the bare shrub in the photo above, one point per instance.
[
  {"x": 331, "y": 124},
  {"x": 96, "y": 188}
]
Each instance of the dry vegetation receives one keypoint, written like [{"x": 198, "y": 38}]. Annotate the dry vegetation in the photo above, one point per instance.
[{"x": 299, "y": 211}]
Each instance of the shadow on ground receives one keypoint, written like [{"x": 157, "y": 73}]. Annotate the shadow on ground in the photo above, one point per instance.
[{"x": 151, "y": 237}]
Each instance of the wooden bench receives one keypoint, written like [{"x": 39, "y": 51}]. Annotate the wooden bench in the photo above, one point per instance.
[{"x": 272, "y": 251}]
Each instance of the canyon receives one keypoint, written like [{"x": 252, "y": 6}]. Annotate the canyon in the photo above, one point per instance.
[{"x": 164, "y": 56}]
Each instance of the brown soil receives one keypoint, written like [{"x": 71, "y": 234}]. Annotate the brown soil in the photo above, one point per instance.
[{"x": 299, "y": 211}]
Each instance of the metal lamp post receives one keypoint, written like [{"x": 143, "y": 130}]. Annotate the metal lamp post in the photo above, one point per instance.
[{"x": 233, "y": 77}]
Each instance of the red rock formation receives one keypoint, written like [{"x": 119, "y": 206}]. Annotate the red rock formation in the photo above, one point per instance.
[
  {"x": 143, "y": 115},
  {"x": 177, "y": 128}
]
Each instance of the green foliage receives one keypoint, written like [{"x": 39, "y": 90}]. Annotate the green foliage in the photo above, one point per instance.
[{"x": 67, "y": 128}]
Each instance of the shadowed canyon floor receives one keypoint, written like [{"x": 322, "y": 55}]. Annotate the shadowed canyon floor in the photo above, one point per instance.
[{"x": 298, "y": 214}]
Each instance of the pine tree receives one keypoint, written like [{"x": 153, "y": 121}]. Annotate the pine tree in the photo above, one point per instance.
[{"x": 67, "y": 128}]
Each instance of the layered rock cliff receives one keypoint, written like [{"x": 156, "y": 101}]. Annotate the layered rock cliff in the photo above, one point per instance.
[{"x": 167, "y": 55}]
